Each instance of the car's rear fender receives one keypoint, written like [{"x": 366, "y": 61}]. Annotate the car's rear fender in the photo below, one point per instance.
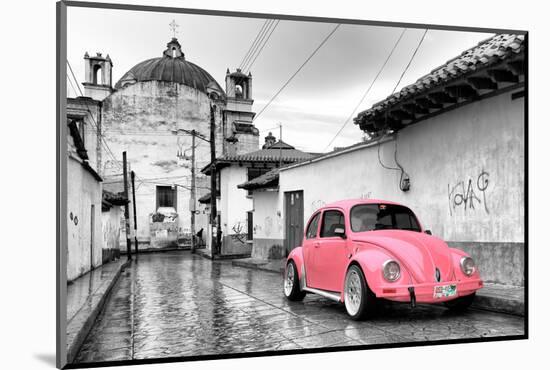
[{"x": 297, "y": 256}]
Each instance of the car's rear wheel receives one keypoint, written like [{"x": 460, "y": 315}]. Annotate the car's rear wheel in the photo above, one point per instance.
[
  {"x": 359, "y": 300},
  {"x": 291, "y": 286},
  {"x": 461, "y": 303}
]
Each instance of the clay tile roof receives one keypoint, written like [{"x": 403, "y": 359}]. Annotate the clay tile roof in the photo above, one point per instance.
[
  {"x": 267, "y": 180},
  {"x": 279, "y": 151},
  {"x": 269, "y": 155},
  {"x": 487, "y": 53},
  {"x": 205, "y": 199}
]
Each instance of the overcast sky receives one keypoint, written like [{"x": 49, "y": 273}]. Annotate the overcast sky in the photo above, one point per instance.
[{"x": 313, "y": 107}]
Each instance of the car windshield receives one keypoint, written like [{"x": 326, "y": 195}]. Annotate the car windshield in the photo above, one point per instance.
[{"x": 367, "y": 217}]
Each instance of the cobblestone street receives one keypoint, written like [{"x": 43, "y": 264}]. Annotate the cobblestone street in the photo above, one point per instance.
[{"x": 177, "y": 304}]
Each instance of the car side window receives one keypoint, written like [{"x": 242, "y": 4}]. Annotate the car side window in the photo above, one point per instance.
[
  {"x": 332, "y": 220},
  {"x": 312, "y": 227}
]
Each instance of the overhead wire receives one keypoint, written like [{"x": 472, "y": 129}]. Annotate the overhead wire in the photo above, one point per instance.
[
  {"x": 252, "y": 46},
  {"x": 399, "y": 166},
  {"x": 257, "y": 45},
  {"x": 297, "y": 71},
  {"x": 246, "y": 68},
  {"x": 94, "y": 123},
  {"x": 368, "y": 89}
]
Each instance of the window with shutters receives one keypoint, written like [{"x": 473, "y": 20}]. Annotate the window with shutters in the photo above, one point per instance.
[{"x": 167, "y": 197}]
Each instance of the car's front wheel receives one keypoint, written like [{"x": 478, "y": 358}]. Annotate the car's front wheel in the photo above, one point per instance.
[
  {"x": 461, "y": 303},
  {"x": 359, "y": 300},
  {"x": 291, "y": 286}
]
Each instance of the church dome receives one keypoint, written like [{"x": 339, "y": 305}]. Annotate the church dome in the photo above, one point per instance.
[{"x": 171, "y": 67}]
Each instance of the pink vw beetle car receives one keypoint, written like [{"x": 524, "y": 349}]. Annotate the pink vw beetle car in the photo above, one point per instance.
[{"x": 357, "y": 251}]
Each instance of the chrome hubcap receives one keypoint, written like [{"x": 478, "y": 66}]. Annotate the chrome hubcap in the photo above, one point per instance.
[
  {"x": 289, "y": 279},
  {"x": 352, "y": 292}
]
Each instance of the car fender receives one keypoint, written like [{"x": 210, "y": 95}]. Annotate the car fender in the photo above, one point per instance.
[
  {"x": 370, "y": 260},
  {"x": 297, "y": 255},
  {"x": 457, "y": 255}
]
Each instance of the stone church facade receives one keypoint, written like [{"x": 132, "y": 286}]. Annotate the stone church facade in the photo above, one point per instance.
[{"x": 149, "y": 113}]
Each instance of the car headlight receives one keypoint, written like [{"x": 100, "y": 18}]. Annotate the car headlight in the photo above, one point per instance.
[
  {"x": 391, "y": 270},
  {"x": 467, "y": 265}
]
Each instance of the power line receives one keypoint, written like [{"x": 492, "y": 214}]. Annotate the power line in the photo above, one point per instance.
[
  {"x": 399, "y": 167},
  {"x": 247, "y": 68},
  {"x": 72, "y": 86},
  {"x": 297, "y": 71},
  {"x": 368, "y": 90},
  {"x": 94, "y": 123},
  {"x": 262, "y": 29},
  {"x": 253, "y": 52},
  {"x": 410, "y": 60}
]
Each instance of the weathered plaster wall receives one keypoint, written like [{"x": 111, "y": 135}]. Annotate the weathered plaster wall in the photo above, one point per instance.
[
  {"x": 140, "y": 119},
  {"x": 84, "y": 245},
  {"x": 466, "y": 170},
  {"x": 268, "y": 226},
  {"x": 234, "y": 205},
  {"x": 88, "y": 110},
  {"x": 110, "y": 227}
]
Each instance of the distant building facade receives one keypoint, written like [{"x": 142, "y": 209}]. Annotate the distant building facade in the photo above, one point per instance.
[
  {"x": 150, "y": 113},
  {"x": 235, "y": 205}
]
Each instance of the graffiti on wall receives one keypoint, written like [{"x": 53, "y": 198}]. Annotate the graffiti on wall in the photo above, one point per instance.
[
  {"x": 239, "y": 232},
  {"x": 73, "y": 218},
  {"x": 469, "y": 194}
]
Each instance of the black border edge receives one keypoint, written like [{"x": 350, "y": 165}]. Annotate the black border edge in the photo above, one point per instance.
[
  {"x": 61, "y": 168},
  {"x": 526, "y": 188},
  {"x": 227, "y": 13},
  {"x": 61, "y": 190},
  {"x": 292, "y": 352}
]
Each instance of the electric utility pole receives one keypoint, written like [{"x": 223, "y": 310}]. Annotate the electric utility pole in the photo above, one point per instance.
[
  {"x": 193, "y": 192},
  {"x": 213, "y": 210},
  {"x": 133, "y": 176},
  {"x": 126, "y": 207},
  {"x": 280, "y": 144}
]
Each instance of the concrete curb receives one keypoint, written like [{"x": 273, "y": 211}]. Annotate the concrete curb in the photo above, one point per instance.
[
  {"x": 81, "y": 324},
  {"x": 259, "y": 266},
  {"x": 204, "y": 254},
  {"x": 503, "y": 299}
]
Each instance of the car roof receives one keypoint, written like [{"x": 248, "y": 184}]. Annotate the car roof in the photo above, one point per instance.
[{"x": 348, "y": 203}]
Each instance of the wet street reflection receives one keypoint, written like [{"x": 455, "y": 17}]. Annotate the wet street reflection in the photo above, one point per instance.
[{"x": 178, "y": 304}]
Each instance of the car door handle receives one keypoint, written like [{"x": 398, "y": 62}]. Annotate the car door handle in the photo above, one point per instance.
[{"x": 316, "y": 245}]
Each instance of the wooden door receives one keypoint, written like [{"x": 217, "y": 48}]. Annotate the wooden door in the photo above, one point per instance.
[{"x": 294, "y": 219}]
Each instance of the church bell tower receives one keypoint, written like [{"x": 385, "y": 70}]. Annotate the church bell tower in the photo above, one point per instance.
[
  {"x": 98, "y": 76},
  {"x": 242, "y": 135}
]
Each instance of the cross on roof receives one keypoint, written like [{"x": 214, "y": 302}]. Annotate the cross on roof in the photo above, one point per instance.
[{"x": 173, "y": 27}]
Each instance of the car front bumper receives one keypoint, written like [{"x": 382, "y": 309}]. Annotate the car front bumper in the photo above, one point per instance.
[{"x": 424, "y": 293}]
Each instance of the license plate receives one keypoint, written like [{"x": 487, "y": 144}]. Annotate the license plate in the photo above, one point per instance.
[{"x": 443, "y": 291}]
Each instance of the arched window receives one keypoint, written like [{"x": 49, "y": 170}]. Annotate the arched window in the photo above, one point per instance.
[
  {"x": 174, "y": 52},
  {"x": 97, "y": 73},
  {"x": 238, "y": 91}
]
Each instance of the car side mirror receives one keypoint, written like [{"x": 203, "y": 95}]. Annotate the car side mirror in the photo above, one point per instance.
[
  {"x": 429, "y": 232},
  {"x": 339, "y": 231}
]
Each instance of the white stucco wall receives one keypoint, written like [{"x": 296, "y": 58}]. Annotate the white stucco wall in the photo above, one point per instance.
[
  {"x": 479, "y": 142},
  {"x": 110, "y": 226},
  {"x": 268, "y": 217},
  {"x": 234, "y": 201},
  {"x": 84, "y": 244}
]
